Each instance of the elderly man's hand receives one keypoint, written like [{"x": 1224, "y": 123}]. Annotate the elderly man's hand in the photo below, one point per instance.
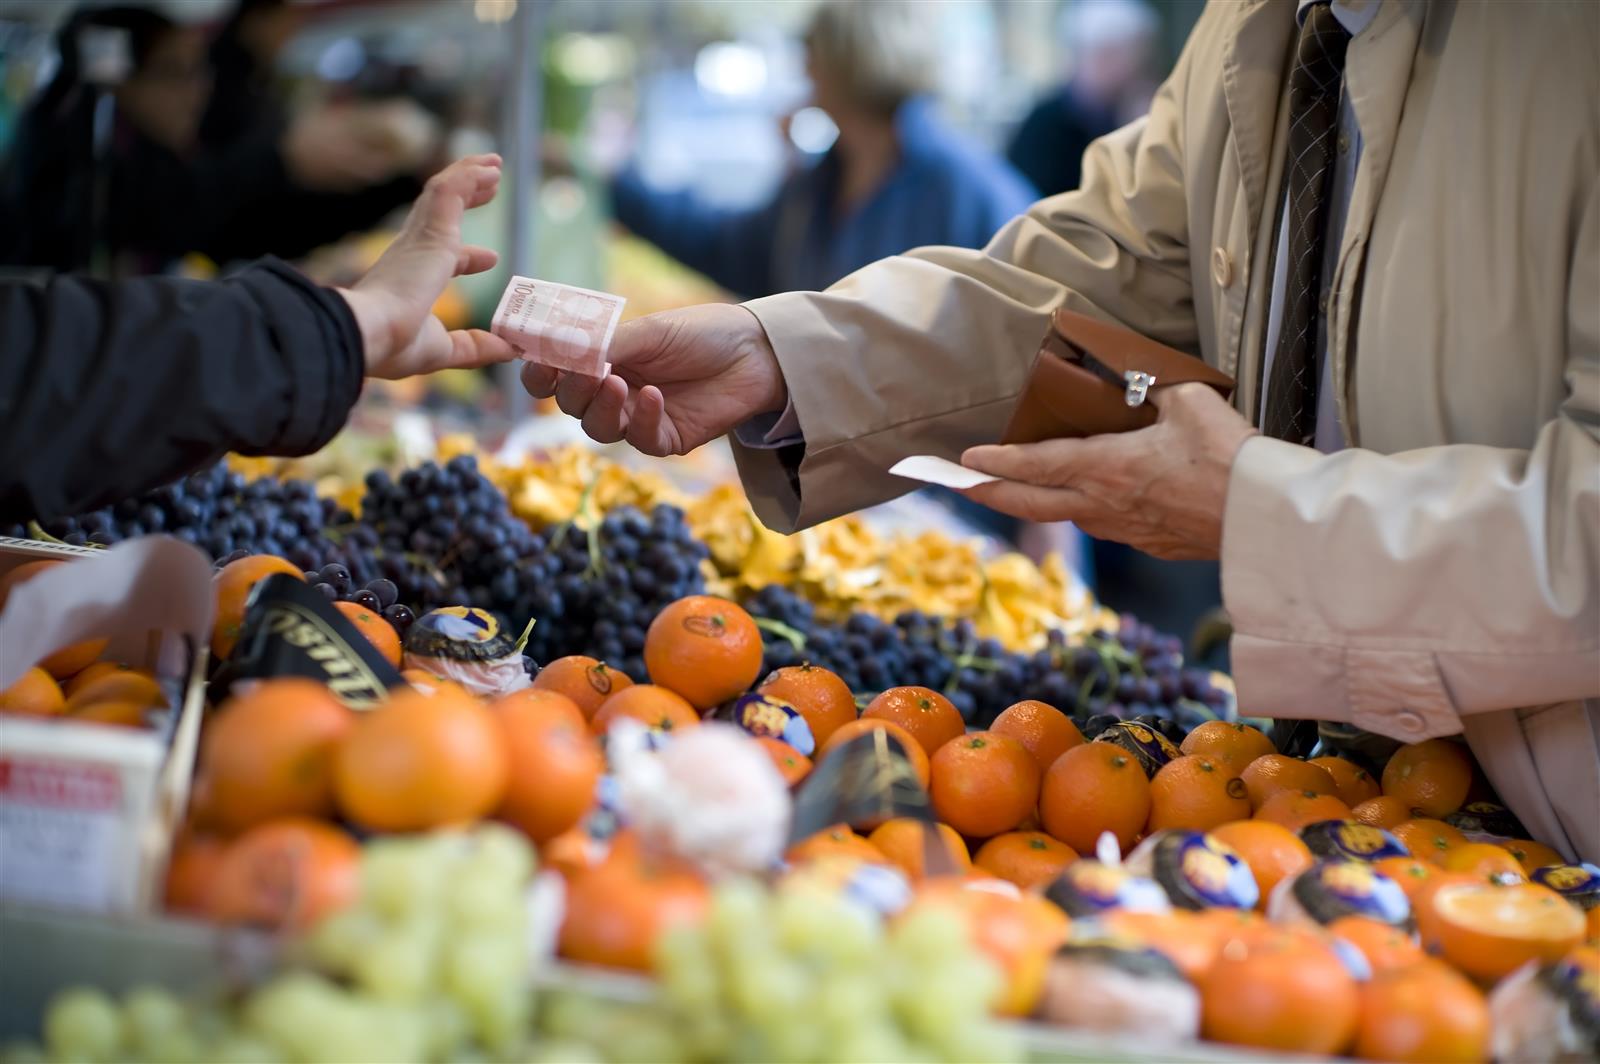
[{"x": 1161, "y": 489}]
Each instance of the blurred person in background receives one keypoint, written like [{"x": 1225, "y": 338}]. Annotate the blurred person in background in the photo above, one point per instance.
[
  {"x": 244, "y": 58},
  {"x": 137, "y": 194},
  {"x": 108, "y": 389},
  {"x": 896, "y": 178},
  {"x": 1110, "y": 46}
]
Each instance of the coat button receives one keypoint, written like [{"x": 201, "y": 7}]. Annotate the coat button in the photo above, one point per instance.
[
  {"x": 1221, "y": 267},
  {"x": 1411, "y": 722}
]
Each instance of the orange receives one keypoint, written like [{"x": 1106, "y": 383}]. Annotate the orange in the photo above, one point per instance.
[
  {"x": 925, "y": 713},
  {"x": 112, "y": 712},
  {"x": 1295, "y": 809},
  {"x": 1355, "y": 783},
  {"x": 653, "y": 706},
  {"x": 983, "y": 784},
  {"x": 837, "y": 841},
  {"x": 268, "y": 753},
  {"x": 1226, "y": 740},
  {"x": 1026, "y": 858},
  {"x": 232, "y": 585},
  {"x": 706, "y": 649},
  {"x": 1490, "y": 931},
  {"x": 73, "y": 659},
  {"x": 421, "y": 761},
  {"x": 1383, "y": 945},
  {"x": 1271, "y": 773},
  {"x": 89, "y": 673},
  {"x": 1381, "y": 812},
  {"x": 1280, "y": 992},
  {"x": 1410, "y": 872},
  {"x": 286, "y": 873},
  {"x": 1198, "y": 793},
  {"x": 1533, "y": 855},
  {"x": 616, "y": 910},
  {"x": 1188, "y": 941},
  {"x": 34, "y": 695},
  {"x": 1425, "y": 1013},
  {"x": 817, "y": 694},
  {"x": 1432, "y": 777},
  {"x": 1273, "y": 852},
  {"x": 571, "y": 851},
  {"x": 542, "y": 702},
  {"x": 1011, "y": 932},
  {"x": 125, "y": 685},
  {"x": 915, "y": 755},
  {"x": 1094, "y": 788},
  {"x": 1428, "y": 840},
  {"x": 192, "y": 872},
  {"x": 587, "y": 681},
  {"x": 379, "y": 632},
  {"x": 1483, "y": 860},
  {"x": 555, "y": 763},
  {"x": 901, "y": 841},
  {"x": 1043, "y": 729},
  {"x": 20, "y": 573},
  {"x": 791, "y": 763}
]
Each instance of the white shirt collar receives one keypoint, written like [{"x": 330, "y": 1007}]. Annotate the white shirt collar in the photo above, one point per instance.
[{"x": 1354, "y": 15}]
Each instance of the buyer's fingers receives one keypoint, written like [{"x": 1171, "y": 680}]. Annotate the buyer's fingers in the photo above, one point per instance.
[
  {"x": 1030, "y": 502},
  {"x": 606, "y": 419},
  {"x": 540, "y": 381},
  {"x": 649, "y": 430},
  {"x": 574, "y": 393}
]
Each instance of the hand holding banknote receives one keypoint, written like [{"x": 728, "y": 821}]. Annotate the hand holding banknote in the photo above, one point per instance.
[
  {"x": 393, "y": 303},
  {"x": 678, "y": 379}
]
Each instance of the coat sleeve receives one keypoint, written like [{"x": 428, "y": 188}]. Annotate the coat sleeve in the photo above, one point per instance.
[
  {"x": 110, "y": 389},
  {"x": 925, "y": 353},
  {"x": 1470, "y": 558}
]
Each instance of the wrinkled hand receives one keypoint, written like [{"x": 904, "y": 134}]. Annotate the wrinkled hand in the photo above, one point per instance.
[
  {"x": 1161, "y": 489},
  {"x": 393, "y": 303},
  {"x": 678, "y": 379}
]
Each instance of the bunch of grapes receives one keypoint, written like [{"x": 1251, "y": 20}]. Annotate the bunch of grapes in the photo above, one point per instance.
[
  {"x": 798, "y": 974},
  {"x": 431, "y": 963},
  {"x": 610, "y": 583},
  {"x": 381, "y": 596},
  {"x": 221, "y": 513},
  {"x": 1134, "y": 673},
  {"x": 444, "y": 536}
]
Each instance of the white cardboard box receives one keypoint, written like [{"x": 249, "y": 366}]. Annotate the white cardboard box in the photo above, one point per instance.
[{"x": 87, "y": 811}]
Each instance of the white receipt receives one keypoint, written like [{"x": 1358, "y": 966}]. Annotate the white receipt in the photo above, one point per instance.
[
  {"x": 941, "y": 471},
  {"x": 558, "y": 325}
]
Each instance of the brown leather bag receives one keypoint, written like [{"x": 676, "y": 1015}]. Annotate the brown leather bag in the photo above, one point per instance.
[{"x": 1090, "y": 377}]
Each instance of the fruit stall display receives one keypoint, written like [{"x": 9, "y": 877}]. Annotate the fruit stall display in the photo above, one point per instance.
[{"x": 569, "y": 746}]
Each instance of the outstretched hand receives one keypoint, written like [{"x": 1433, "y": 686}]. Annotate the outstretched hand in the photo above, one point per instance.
[
  {"x": 393, "y": 303},
  {"x": 678, "y": 379}
]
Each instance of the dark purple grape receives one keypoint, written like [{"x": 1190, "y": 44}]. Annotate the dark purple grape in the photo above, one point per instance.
[
  {"x": 388, "y": 594},
  {"x": 326, "y": 590},
  {"x": 365, "y": 599},
  {"x": 400, "y": 616}
]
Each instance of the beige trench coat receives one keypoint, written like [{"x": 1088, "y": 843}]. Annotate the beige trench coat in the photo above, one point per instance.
[{"x": 1442, "y": 575}]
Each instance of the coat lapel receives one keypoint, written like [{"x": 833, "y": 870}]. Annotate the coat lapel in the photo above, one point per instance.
[{"x": 1253, "y": 66}]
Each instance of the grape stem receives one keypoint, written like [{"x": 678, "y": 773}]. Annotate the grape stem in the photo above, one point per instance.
[
  {"x": 783, "y": 631},
  {"x": 527, "y": 631}
]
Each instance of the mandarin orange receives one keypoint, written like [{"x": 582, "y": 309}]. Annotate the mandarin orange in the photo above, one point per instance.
[
  {"x": 983, "y": 784},
  {"x": 1042, "y": 728},
  {"x": 925, "y": 713},
  {"x": 1196, "y": 792},
  {"x": 706, "y": 649}
]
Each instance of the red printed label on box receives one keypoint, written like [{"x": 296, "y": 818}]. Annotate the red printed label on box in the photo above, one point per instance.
[{"x": 59, "y": 823}]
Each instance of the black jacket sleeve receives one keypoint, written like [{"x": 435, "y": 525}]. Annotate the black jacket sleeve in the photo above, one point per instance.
[{"x": 110, "y": 389}]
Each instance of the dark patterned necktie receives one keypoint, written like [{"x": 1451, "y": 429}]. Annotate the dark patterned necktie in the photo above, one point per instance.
[{"x": 1291, "y": 406}]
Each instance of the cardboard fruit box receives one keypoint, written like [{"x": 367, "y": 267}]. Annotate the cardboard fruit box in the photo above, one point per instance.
[{"x": 88, "y": 811}]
